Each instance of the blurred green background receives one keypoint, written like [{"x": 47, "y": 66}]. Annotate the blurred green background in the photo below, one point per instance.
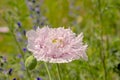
[{"x": 99, "y": 20}]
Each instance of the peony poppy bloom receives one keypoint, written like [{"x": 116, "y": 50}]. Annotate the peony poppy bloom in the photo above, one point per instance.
[{"x": 56, "y": 45}]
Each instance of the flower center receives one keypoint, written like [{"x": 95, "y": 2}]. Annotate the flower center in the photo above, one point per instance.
[
  {"x": 54, "y": 41},
  {"x": 58, "y": 42}
]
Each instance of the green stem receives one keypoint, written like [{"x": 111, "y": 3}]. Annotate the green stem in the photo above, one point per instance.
[
  {"x": 20, "y": 49},
  {"x": 48, "y": 71},
  {"x": 29, "y": 74},
  {"x": 58, "y": 70},
  {"x": 23, "y": 57},
  {"x": 102, "y": 53}
]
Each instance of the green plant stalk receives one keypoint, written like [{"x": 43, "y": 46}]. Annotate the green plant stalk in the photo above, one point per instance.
[
  {"x": 102, "y": 54},
  {"x": 58, "y": 71},
  {"x": 20, "y": 49},
  {"x": 28, "y": 74},
  {"x": 48, "y": 71}
]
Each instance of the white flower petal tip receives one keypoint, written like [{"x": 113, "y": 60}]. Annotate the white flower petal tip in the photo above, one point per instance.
[{"x": 56, "y": 45}]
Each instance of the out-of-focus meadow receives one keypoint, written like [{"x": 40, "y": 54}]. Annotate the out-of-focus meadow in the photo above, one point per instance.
[{"x": 99, "y": 20}]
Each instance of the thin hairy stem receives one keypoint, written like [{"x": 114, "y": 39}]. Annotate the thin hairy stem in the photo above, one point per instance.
[
  {"x": 58, "y": 70},
  {"x": 48, "y": 71}
]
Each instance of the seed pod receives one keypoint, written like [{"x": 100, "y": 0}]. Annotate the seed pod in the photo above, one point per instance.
[{"x": 30, "y": 62}]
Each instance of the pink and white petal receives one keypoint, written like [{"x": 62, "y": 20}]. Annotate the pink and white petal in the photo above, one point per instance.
[
  {"x": 31, "y": 34},
  {"x": 31, "y": 47}
]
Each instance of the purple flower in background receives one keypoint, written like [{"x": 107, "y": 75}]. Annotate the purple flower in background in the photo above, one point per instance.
[
  {"x": 19, "y": 24},
  {"x": 5, "y": 71},
  {"x": 34, "y": 27},
  {"x": 38, "y": 78},
  {"x": 37, "y": 9},
  {"x": 24, "y": 49},
  {"x": 19, "y": 36},
  {"x": 14, "y": 79},
  {"x": 31, "y": 16},
  {"x": 22, "y": 66},
  {"x": 34, "y": 7},
  {"x": 19, "y": 55},
  {"x": 10, "y": 71},
  {"x": 24, "y": 32}
]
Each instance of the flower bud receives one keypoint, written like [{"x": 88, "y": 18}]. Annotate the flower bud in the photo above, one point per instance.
[{"x": 30, "y": 62}]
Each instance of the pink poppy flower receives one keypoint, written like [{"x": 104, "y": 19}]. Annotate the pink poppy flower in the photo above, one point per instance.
[{"x": 56, "y": 45}]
